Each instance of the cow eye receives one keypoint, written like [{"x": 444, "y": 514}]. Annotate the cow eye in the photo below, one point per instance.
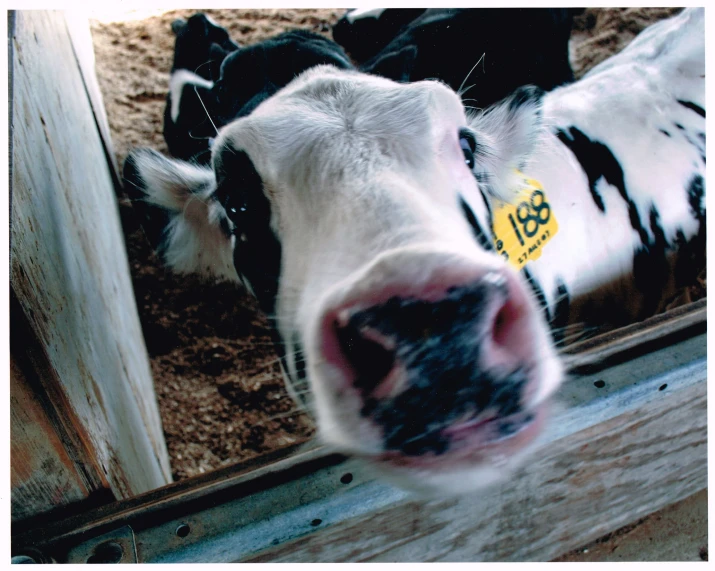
[
  {"x": 468, "y": 143},
  {"x": 234, "y": 206},
  {"x": 234, "y": 209}
]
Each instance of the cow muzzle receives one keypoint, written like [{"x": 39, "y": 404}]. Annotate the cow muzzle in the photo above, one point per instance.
[{"x": 440, "y": 362}]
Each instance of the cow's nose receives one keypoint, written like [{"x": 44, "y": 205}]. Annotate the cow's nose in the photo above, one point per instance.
[
  {"x": 369, "y": 353},
  {"x": 407, "y": 339}
]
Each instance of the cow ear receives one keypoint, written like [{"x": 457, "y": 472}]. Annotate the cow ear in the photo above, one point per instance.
[
  {"x": 217, "y": 52},
  {"x": 198, "y": 25},
  {"x": 216, "y": 56},
  {"x": 178, "y": 25},
  {"x": 181, "y": 216},
  {"x": 396, "y": 65},
  {"x": 507, "y": 134}
]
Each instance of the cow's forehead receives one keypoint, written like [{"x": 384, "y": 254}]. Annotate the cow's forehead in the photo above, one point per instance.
[
  {"x": 331, "y": 113},
  {"x": 326, "y": 80}
]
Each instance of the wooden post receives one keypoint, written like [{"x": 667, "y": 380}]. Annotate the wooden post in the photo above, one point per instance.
[
  {"x": 71, "y": 284},
  {"x": 43, "y": 475}
]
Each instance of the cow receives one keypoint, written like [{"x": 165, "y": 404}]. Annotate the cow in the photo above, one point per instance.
[
  {"x": 235, "y": 80},
  {"x": 412, "y": 256},
  {"x": 495, "y": 50},
  {"x": 200, "y": 48},
  {"x": 363, "y": 32}
]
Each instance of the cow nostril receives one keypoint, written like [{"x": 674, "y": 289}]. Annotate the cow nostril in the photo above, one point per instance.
[
  {"x": 507, "y": 327},
  {"x": 369, "y": 354},
  {"x": 500, "y": 329}
]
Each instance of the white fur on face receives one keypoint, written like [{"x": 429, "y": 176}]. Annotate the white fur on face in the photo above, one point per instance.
[{"x": 364, "y": 178}]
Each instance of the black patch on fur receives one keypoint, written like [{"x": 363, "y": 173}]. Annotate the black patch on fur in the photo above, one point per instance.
[
  {"x": 450, "y": 42},
  {"x": 488, "y": 204},
  {"x": 243, "y": 78},
  {"x": 687, "y": 264},
  {"x": 188, "y": 137},
  {"x": 527, "y": 94},
  {"x": 200, "y": 48},
  {"x": 538, "y": 292},
  {"x": 598, "y": 161},
  {"x": 479, "y": 234},
  {"x": 196, "y": 43},
  {"x": 691, "y": 256},
  {"x": 364, "y": 37},
  {"x": 691, "y": 253},
  {"x": 650, "y": 266},
  {"x": 438, "y": 345},
  {"x": 679, "y": 126},
  {"x": 299, "y": 358},
  {"x": 696, "y": 192},
  {"x": 396, "y": 65},
  {"x": 252, "y": 74},
  {"x": 665, "y": 132},
  {"x": 692, "y": 106},
  {"x": 561, "y": 311},
  {"x": 589, "y": 157},
  {"x": 257, "y": 251}
]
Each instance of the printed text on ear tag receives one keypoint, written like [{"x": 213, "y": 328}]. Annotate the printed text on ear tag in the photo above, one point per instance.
[{"x": 524, "y": 227}]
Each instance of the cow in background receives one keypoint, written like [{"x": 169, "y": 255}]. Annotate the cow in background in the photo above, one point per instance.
[
  {"x": 214, "y": 81},
  {"x": 484, "y": 53}
]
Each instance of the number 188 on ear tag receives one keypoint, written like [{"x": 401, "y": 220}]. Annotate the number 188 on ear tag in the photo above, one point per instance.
[{"x": 523, "y": 227}]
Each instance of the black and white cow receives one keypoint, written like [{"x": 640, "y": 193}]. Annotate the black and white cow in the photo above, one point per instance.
[
  {"x": 221, "y": 82},
  {"x": 623, "y": 162},
  {"x": 495, "y": 50},
  {"x": 200, "y": 48},
  {"x": 363, "y": 32},
  {"x": 367, "y": 218}
]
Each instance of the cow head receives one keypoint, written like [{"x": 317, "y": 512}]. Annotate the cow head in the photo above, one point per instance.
[
  {"x": 348, "y": 204},
  {"x": 254, "y": 73},
  {"x": 201, "y": 45},
  {"x": 212, "y": 83}
]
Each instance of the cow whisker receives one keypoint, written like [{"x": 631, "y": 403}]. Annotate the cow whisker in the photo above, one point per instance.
[
  {"x": 459, "y": 91},
  {"x": 205, "y": 110},
  {"x": 198, "y": 67}
]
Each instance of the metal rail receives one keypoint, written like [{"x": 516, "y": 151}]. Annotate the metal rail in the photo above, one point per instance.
[{"x": 259, "y": 511}]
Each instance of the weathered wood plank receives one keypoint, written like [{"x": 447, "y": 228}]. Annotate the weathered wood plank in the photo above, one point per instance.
[
  {"x": 42, "y": 475},
  {"x": 81, "y": 37},
  {"x": 629, "y": 440},
  {"x": 69, "y": 269},
  {"x": 586, "y": 485}
]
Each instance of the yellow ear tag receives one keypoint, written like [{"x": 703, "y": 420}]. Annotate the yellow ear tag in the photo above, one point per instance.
[{"x": 524, "y": 227}]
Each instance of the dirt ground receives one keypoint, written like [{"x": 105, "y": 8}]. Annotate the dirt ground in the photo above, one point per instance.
[{"x": 220, "y": 392}]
